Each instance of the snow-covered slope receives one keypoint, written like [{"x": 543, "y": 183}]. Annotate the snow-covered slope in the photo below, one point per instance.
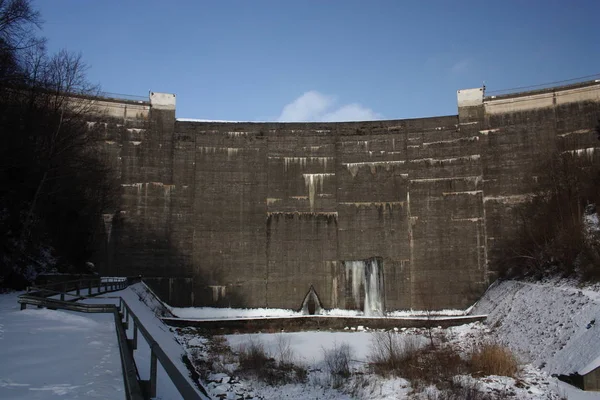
[{"x": 554, "y": 326}]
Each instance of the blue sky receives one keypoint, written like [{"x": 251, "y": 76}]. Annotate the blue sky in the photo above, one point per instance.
[{"x": 323, "y": 60}]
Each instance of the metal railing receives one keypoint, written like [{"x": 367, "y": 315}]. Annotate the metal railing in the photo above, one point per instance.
[
  {"x": 121, "y": 96},
  {"x": 156, "y": 353},
  {"x": 135, "y": 387},
  {"x": 94, "y": 286}
]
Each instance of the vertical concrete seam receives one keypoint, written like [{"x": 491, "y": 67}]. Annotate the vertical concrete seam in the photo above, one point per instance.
[{"x": 267, "y": 222}]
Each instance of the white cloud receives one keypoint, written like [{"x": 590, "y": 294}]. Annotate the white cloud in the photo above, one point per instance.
[{"x": 316, "y": 107}]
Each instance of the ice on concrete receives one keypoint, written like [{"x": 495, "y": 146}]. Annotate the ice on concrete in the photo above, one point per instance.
[{"x": 366, "y": 274}]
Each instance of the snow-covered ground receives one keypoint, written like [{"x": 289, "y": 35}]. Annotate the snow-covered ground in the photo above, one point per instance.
[
  {"x": 554, "y": 325},
  {"x": 308, "y": 350},
  {"x": 46, "y": 354},
  {"x": 549, "y": 326},
  {"x": 143, "y": 306},
  {"x": 52, "y": 354}
]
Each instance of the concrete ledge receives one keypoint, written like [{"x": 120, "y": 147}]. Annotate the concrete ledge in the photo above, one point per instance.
[
  {"x": 162, "y": 101},
  {"x": 316, "y": 322}
]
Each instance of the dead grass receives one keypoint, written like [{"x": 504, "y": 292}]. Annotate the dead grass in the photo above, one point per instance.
[
  {"x": 407, "y": 357},
  {"x": 337, "y": 363},
  {"x": 469, "y": 391},
  {"x": 256, "y": 362},
  {"x": 493, "y": 359},
  {"x": 424, "y": 365},
  {"x": 252, "y": 356}
]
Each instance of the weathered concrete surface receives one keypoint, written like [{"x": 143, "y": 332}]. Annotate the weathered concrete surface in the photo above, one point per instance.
[
  {"x": 315, "y": 323},
  {"x": 253, "y": 214}
]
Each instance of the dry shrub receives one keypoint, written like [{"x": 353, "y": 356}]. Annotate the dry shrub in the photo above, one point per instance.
[
  {"x": 493, "y": 359},
  {"x": 255, "y": 361},
  {"x": 337, "y": 363},
  {"x": 214, "y": 357},
  {"x": 406, "y": 357},
  {"x": 469, "y": 391},
  {"x": 390, "y": 349},
  {"x": 252, "y": 356},
  {"x": 285, "y": 353}
]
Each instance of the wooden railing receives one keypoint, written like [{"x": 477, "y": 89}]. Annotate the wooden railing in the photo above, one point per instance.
[{"x": 135, "y": 388}]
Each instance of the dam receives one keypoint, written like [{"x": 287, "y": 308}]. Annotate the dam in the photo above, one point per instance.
[{"x": 373, "y": 216}]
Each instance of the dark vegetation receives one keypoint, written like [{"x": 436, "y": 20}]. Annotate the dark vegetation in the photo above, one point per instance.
[
  {"x": 452, "y": 370},
  {"x": 277, "y": 369},
  {"x": 337, "y": 363},
  {"x": 54, "y": 188},
  {"x": 425, "y": 364},
  {"x": 552, "y": 235},
  {"x": 251, "y": 360}
]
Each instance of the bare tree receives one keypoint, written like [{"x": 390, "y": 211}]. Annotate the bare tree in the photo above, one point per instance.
[
  {"x": 57, "y": 89},
  {"x": 55, "y": 187},
  {"x": 18, "y": 24},
  {"x": 18, "y": 21}
]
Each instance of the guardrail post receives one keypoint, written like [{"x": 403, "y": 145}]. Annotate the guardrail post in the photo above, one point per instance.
[
  {"x": 126, "y": 323},
  {"x": 90, "y": 287},
  {"x": 135, "y": 334},
  {"x": 77, "y": 285},
  {"x": 153, "y": 368}
]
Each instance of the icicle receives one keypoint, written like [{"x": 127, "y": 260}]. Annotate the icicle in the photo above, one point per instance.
[
  {"x": 311, "y": 180},
  {"x": 373, "y": 289},
  {"x": 218, "y": 292},
  {"x": 231, "y": 152},
  {"x": 293, "y": 160},
  {"x": 354, "y": 167},
  {"x": 334, "y": 291},
  {"x": 356, "y": 269},
  {"x": 108, "y": 218},
  {"x": 368, "y": 275}
]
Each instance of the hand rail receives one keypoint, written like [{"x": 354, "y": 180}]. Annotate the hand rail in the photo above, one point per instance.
[
  {"x": 135, "y": 388},
  {"x": 156, "y": 352}
]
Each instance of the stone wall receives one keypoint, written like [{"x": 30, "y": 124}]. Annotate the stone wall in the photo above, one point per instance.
[{"x": 257, "y": 213}]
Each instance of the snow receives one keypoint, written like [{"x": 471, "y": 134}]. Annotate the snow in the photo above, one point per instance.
[
  {"x": 136, "y": 297},
  {"x": 49, "y": 354},
  {"x": 308, "y": 346},
  {"x": 549, "y": 325},
  {"x": 52, "y": 354},
  {"x": 308, "y": 350}
]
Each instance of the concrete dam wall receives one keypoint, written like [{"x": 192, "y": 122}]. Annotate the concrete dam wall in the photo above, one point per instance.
[{"x": 364, "y": 215}]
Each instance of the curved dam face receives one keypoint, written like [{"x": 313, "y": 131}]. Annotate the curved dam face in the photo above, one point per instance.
[{"x": 366, "y": 215}]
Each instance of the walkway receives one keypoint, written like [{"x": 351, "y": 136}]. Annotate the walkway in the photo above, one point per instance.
[{"x": 54, "y": 354}]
